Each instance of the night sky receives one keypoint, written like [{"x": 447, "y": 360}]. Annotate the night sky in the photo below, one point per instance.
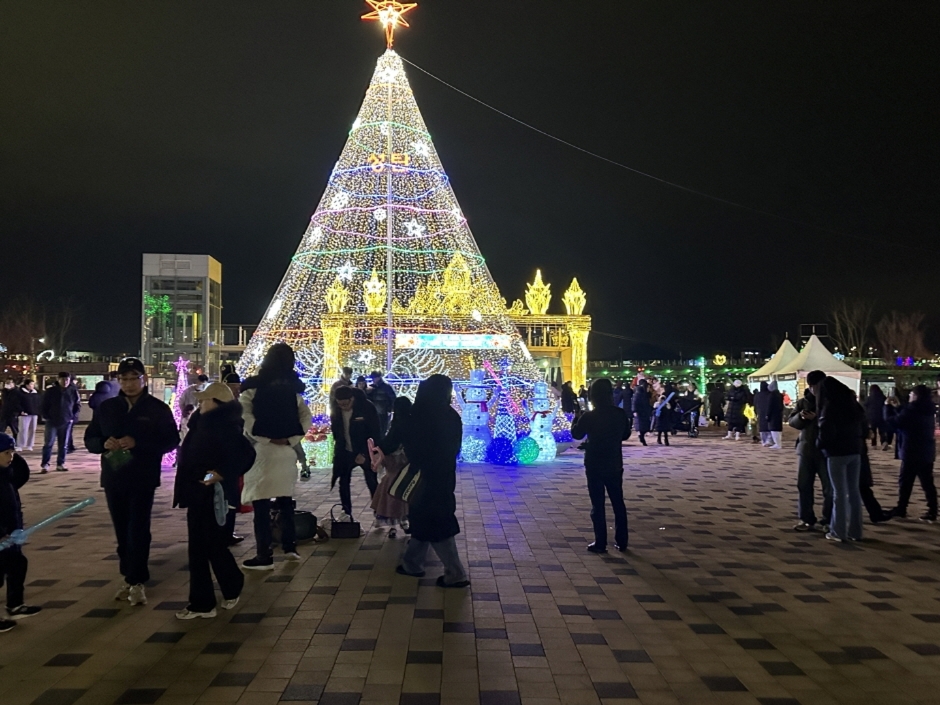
[{"x": 212, "y": 127}]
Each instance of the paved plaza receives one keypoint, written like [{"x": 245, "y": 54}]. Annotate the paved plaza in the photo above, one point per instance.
[{"x": 717, "y": 601}]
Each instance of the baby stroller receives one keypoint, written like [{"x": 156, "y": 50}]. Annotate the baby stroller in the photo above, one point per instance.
[{"x": 689, "y": 411}]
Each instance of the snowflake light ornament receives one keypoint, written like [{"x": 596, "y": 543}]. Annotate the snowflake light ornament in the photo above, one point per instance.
[
  {"x": 357, "y": 123},
  {"x": 383, "y": 128},
  {"x": 339, "y": 200},
  {"x": 414, "y": 228},
  {"x": 316, "y": 234},
  {"x": 346, "y": 271},
  {"x": 365, "y": 357},
  {"x": 379, "y": 214},
  {"x": 388, "y": 75},
  {"x": 455, "y": 211},
  {"x": 421, "y": 149}
]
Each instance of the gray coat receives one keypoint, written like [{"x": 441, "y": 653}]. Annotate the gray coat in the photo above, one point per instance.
[{"x": 806, "y": 447}]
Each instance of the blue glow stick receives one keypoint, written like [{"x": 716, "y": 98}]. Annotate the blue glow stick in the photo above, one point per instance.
[{"x": 19, "y": 537}]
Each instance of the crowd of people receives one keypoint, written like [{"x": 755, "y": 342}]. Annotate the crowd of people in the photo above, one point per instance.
[{"x": 240, "y": 445}]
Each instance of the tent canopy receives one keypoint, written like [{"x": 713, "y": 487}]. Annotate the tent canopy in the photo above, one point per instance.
[
  {"x": 784, "y": 356},
  {"x": 815, "y": 356}
]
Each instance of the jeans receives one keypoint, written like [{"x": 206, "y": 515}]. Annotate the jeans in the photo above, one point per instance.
[
  {"x": 809, "y": 469},
  {"x": 765, "y": 437},
  {"x": 285, "y": 521},
  {"x": 846, "y": 498},
  {"x": 347, "y": 463},
  {"x": 27, "y": 436},
  {"x": 130, "y": 507},
  {"x": 611, "y": 482},
  {"x": 13, "y": 570},
  {"x": 417, "y": 552},
  {"x": 913, "y": 471},
  {"x": 208, "y": 546},
  {"x": 52, "y": 433}
]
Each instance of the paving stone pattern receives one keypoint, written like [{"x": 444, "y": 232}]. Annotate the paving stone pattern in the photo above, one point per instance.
[{"x": 718, "y": 600}]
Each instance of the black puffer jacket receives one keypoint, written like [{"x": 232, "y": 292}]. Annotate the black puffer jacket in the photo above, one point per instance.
[
  {"x": 761, "y": 405},
  {"x": 738, "y": 398},
  {"x": 12, "y": 478},
  {"x": 774, "y": 414},
  {"x": 216, "y": 441},
  {"x": 840, "y": 420},
  {"x": 914, "y": 424},
  {"x": 274, "y": 405},
  {"x": 874, "y": 406}
]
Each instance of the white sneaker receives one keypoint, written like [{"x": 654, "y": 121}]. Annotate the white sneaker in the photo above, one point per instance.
[
  {"x": 123, "y": 592},
  {"x": 228, "y": 604},
  {"x": 292, "y": 556},
  {"x": 775, "y": 447},
  {"x": 137, "y": 595},
  {"x": 189, "y": 614},
  {"x": 728, "y": 437},
  {"x": 737, "y": 436},
  {"x": 344, "y": 517}
]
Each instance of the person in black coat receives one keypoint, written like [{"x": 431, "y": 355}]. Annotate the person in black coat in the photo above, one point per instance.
[
  {"x": 14, "y": 473},
  {"x": 761, "y": 402},
  {"x": 915, "y": 424},
  {"x": 431, "y": 441},
  {"x": 841, "y": 429},
  {"x": 811, "y": 464},
  {"x": 627, "y": 406},
  {"x": 132, "y": 432},
  {"x": 866, "y": 481},
  {"x": 103, "y": 390},
  {"x": 60, "y": 407},
  {"x": 605, "y": 427},
  {"x": 353, "y": 422},
  {"x": 215, "y": 451},
  {"x": 10, "y": 408},
  {"x": 716, "y": 404},
  {"x": 569, "y": 400},
  {"x": 738, "y": 397},
  {"x": 665, "y": 413},
  {"x": 642, "y": 410},
  {"x": 874, "y": 412},
  {"x": 773, "y": 415}
]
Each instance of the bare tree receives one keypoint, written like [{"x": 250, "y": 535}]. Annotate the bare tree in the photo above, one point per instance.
[
  {"x": 28, "y": 326},
  {"x": 851, "y": 325},
  {"x": 901, "y": 335}
]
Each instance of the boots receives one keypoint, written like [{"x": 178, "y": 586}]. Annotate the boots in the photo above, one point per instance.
[
  {"x": 737, "y": 435},
  {"x": 728, "y": 437}
]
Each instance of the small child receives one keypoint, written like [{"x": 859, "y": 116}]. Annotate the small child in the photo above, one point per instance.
[{"x": 14, "y": 472}]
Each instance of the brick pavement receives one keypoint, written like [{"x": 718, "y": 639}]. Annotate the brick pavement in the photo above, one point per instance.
[{"x": 718, "y": 601}]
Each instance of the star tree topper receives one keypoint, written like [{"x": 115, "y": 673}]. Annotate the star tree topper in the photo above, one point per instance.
[{"x": 391, "y": 14}]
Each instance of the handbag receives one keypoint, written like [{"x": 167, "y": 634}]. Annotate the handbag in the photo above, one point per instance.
[
  {"x": 407, "y": 486},
  {"x": 343, "y": 529}
]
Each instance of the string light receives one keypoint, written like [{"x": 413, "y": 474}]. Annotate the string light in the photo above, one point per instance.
[{"x": 389, "y": 208}]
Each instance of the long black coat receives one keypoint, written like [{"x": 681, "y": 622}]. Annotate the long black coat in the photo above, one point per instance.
[
  {"x": 761, "y": 405},
  {"x": 738, "y": 398},
  {"x": 642, "y": 410},
  {"x": 432, "y": 444},
  {"x": 216, "y": 441},
  {"x": 874, "y": 407},
  {"x": 12, "y": 478},
  {"x": 774, "y": 413}
]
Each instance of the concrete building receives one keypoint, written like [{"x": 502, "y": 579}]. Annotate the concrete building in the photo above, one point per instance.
[{"x": 181, "y": 312}]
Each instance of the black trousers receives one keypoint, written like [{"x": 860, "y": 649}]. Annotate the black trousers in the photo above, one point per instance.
[
  {"x": 916, "y": 471},
  {"x": 346, "y": 464},
  {"x": 809, "y": 469},
  {"x": 609, "y": 481},
  {"x": 13, "y": 566},
  {"x": 208, "y": 547},
  {"x": 130, "y": 507},
  {"x": 285, "y": 521},
  {"x": 13, "y": 422}
]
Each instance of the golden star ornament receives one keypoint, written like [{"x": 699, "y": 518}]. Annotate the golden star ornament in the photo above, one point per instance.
[{"x": 390, "y": 13}]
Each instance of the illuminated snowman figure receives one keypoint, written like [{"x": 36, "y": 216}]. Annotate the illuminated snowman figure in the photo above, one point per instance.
[
  {"x": 541, "y": 422},
  {"x": 476, "y": 419}
]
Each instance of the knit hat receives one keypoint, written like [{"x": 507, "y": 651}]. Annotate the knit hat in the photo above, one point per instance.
[
  {"x": 6, "y": 442},
  {"x": 218, "y": 391}
]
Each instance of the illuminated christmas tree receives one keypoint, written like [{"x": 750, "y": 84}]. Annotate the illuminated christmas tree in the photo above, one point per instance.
[{"x": 388, "y": 274}]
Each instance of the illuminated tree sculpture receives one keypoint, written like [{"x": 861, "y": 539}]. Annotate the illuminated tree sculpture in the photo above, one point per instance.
[{"x": 388, "y": 273}]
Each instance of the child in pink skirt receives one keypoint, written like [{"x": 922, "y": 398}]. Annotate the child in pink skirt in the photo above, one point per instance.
[{"x": 391, "y": 511}]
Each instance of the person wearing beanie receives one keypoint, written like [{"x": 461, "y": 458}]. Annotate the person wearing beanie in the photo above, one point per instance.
[
  {"x": 132, "y": 432},
  {"x": 14, "y": 472},
  {"x": 605, "y": 426}
]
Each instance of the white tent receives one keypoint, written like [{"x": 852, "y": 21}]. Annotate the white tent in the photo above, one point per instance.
[
  {"x": 815, "y": 356},
  {"x": 783, "y": 357}
]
